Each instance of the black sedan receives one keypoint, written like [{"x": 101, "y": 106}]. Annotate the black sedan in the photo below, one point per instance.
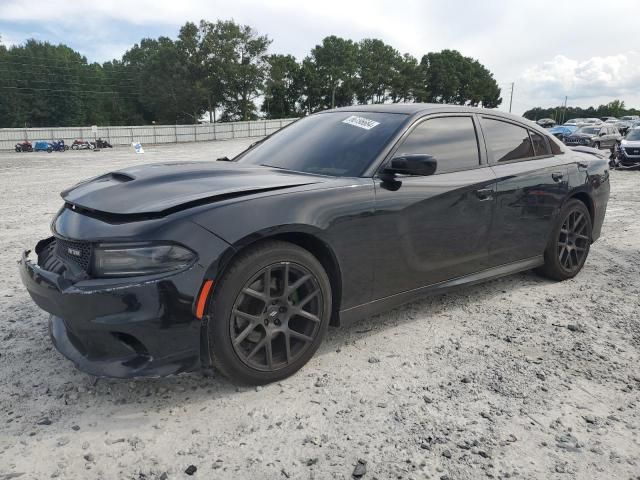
[{"x": 242, "y": 265}]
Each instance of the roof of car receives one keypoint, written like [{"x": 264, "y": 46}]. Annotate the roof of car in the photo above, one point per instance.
[{"x": 416, "y": 108}]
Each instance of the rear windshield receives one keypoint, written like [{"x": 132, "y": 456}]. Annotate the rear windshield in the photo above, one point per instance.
[{"x": 341, "y": 144}]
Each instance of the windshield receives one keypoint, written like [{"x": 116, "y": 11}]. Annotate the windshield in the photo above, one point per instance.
[
  {"x": 589, "y": 130},
  {"x": 633, "y": 134},
  {"x": 575, "y": 120},
  {"x": 341, "y": 144}
]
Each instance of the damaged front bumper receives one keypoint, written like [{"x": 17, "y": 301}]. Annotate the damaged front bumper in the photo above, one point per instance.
[{"x": 107, "y": 328}]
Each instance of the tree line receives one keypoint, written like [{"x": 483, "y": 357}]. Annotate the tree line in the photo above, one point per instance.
[
  {"x": 225, "y": 68},
  {"x": 561, "y": 114}
]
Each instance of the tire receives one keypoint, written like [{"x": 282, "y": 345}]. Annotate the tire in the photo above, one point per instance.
[
  {"x": 18, "y": 149},
  {"x": 271, "y": 320},
  {"x": 75, "y": 147},
  {"x": 49, "y": 150},
  {"x": 596, "y": 145},
  {"x": 569, "y": 244}
]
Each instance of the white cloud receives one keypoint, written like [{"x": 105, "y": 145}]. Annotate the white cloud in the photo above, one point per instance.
[
  {"x": 614, "y": 75},
  {"x": 548, "y": 48}
]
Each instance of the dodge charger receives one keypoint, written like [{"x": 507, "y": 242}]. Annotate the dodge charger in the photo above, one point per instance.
[{"x": 242, "y": 264}]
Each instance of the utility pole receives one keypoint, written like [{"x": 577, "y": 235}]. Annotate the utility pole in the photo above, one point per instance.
[
  {"x": 564, "y": 112},
  {"x": 511, "y": 99}
]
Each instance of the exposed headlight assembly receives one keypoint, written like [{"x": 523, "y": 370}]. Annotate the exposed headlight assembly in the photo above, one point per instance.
[{"x": 113, "y": 260}]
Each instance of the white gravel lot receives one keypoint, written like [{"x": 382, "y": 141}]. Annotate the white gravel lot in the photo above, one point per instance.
[{"x": 517, "y": 378}]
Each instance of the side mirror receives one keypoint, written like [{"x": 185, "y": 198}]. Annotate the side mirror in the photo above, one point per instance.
[
  {"x": 602, "y": 134},
  {"x": 412, "y": 164}
]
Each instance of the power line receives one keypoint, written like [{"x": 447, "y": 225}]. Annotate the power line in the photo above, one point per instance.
[
  {"x": 66, "y": 82},
  {"x": 112, "y": 92},
  {"x": 10, "y": 54}
]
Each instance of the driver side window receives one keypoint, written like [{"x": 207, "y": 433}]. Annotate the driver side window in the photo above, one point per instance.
[{"x": 452, "y": 141}]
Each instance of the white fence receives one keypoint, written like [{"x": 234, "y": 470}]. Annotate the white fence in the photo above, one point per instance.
[{"x": 146, "y": 134}]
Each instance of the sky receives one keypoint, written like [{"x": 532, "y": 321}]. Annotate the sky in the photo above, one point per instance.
[{"x": 585, "y": 50}]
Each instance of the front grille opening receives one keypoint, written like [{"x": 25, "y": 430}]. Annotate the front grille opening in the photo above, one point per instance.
[{"x": 78, "y": 253}]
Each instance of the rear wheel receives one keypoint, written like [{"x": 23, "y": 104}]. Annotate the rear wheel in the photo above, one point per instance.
[
  {"x": 269, "y": 313},
  {"x": 570, "y": 242}
]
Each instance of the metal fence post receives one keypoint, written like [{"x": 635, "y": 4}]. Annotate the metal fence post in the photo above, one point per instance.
[
  {"x": 195, "y": 133},
  {"x": 233, "y": 133},
  {"x": 175, "y": 132},
  {"x": 215, "y": 137},
  {"x": 155, "y": 140},
  {"x": 265, "y": 128}
]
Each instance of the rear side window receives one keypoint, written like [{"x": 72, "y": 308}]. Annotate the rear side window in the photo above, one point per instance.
[
  {"x": 452, "y": 141},
  {"x": 506, "y": 141},
  {"x": 540, "y": 145}
]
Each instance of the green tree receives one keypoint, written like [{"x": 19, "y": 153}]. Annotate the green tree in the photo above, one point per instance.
[
  {"x": 377, "y": 70},
  {"x": 406, "y": 84},
  {"x": 283, "y": 87},
  {"x": 236, "y": 62},
  {"x": 335, "y": 66},
  {"x": 450, "y": 77},
  {"x": 168, "y": 92}
]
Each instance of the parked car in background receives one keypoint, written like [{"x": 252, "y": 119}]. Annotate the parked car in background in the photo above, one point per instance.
[
  {"x": 609, "y": 119},
  {"x": 25, "y": 146},
  {"x": 242, "y": 265},
  {"x": 562, "y": 131},
  {"x": 630, "y": 118},
  {"x": 623, "y": 126},
  {"x": 575, "y": 122},
  {"x": 596, "y": 136},
  {"x": 42, "y": 146},
  {"x": 546, "y": 122},
  {"x": 593, "y": 121},
  {"x": 629, "y": 151}
]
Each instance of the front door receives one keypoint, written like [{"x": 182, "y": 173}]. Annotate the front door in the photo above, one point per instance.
[{"x": 436, "y": 227}]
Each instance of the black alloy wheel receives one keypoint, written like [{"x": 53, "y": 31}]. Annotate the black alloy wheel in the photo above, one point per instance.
[
  {"x": 573, "y": 241},
  {"x": 268, "y": 313},
  {"x": 276, "y": 316},
  {"x": 569, "y": 244}
]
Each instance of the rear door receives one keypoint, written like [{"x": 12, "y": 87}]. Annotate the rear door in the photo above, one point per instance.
[
  {"x": 436, "y": 227},
  {"x": 532, "y": 184}
]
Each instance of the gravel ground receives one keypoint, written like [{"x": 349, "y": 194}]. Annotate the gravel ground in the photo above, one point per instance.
[{"x": 517, "y": 378}]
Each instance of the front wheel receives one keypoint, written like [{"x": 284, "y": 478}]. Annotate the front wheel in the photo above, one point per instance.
[
  {"x": 570, "y": 242},
  {"x": 268, "y": 313},
  {"x": 596, "y": 145}
]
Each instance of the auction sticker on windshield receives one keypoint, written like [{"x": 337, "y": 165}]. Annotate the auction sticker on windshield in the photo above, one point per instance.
[{"x": 360, "y": 122}]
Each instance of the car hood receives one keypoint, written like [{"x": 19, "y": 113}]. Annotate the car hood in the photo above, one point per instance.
[
  {"x": 582, "y": 135},
  {"x": 164, "y": 188},
  {"x": 630, "y": 143}
]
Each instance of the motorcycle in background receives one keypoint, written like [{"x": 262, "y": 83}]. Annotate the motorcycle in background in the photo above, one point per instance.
[
  {"x": 59, "y": 146},
  {"x": 24, "y": 147},
  {"x": 82, "y": 145},
  {"x": 99, "y": 143}
]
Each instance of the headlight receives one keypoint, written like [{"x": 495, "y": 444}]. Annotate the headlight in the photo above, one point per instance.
[{"x": 112, "y": 260}]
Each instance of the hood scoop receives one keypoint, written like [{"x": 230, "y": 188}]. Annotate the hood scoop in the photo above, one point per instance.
[{"x": 154, "y": 191}]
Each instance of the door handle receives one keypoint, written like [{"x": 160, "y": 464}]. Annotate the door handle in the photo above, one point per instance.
[
  {"x": 557, "y": 176},
  {"x": 484, "y": 193}
]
